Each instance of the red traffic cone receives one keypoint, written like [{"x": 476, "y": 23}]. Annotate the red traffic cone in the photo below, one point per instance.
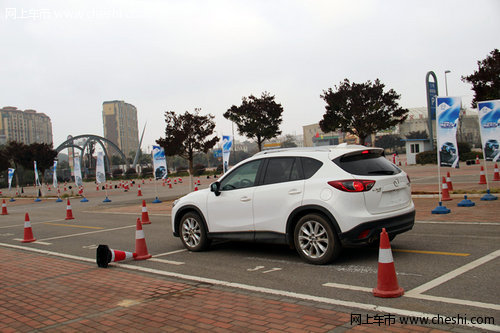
[
  {"x": 139, "y": 192},
  {"x": 445, "y": 195},
  {"x": 175, "y": 181},
  {"x": 28, "y": 233},
  {"x": 169, "y": 185},
  {"x": 97, "y": 187},
  {"x": 105, "y": 255},
  {"x": 145, "y": 215},
  {"x": 143, "y": 181},
  {"x": 477, "y": 159},
  {"x": 448, "y": 182},
  {"x": 180, "y": 180},
  {"x": 140, "y": 243},
  {"x": 4, "y": 208},
  {"x": 482, "y": 177},
  {"x": 163, "y": 183},
  {"x": 387, "y": 281},
  {"x": 69, "y": 211},
  {"x": 196, "y": 188},
  {"x": 496, "y": 175}
]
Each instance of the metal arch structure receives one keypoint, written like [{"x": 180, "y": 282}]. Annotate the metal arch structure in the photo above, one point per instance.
[{"x": 88, "y": 139}]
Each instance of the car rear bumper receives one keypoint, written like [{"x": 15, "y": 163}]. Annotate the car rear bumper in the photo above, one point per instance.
[{"x": 366, "y": 233}]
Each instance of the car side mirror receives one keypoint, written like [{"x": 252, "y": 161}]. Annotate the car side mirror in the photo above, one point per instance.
[{"x": 215, "y": 187}]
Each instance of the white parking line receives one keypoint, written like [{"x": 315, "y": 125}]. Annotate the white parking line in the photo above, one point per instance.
[
  {"x": 171, "y": 252},
  {"x": 282, "y": 293},
  {"x": 448, "y": 276},
  {"x": 124, "y": 213},
  {"x": 451, "y": 222},
  {"x": 21, "y": 224},
  {"x": 171, "y": 262},
  {"x": 88, "y": 233},
  {"x": 37, "y": 241}
]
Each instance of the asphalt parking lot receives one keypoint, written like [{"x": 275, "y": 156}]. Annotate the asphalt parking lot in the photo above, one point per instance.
[{"x": 448, "y": 266}]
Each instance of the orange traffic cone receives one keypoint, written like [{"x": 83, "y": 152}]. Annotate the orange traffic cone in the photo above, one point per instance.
[
  {"x": 69, "y": 211},
  {"x": 496, "y": 175},
  {"x": 477, "y": 159},
  {"x": 105, "y": 255},
  {"x": 196, "y": 188},
  {"x": 448, "y": 182},
  {"x": 140, "y": 243},
  {"x": 169, "y": 185},
  {"x": 139, "y": 192},
  {"x": 482, "y": 177},
  {"x": 145, "y": 215},
  {"x": 28, "y": 233},
  {"x": 97, "y": 187},
  {"x": 175, "y": 181},
  {"x": 163, "y": 184},
  {"x": 387, "y": 281},
  {"x": 4, "y": 208},
  {"x": 180, "y": 180},
  {"x": 143, "y": 181},
  {"x": 445, "y": 195}
]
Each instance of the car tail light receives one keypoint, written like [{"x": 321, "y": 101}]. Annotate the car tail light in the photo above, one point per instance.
[
  {"x": 353, "y": 185},
  {"x": 364, "y": 234}
]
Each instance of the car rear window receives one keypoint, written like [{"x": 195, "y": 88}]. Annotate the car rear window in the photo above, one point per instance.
[{"x": 366, "y": 163}]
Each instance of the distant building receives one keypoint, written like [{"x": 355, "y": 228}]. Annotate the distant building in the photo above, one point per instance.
[
  {"x": 314, "y": 136},
  {"x": 26, "y": 126},
  {"x": 120, "y": 125}
]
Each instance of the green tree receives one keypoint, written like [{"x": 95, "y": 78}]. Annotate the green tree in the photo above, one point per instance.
[
  {"x": 18, "y": 155},
  {"x": 389, "y": 141},
  {"x": 417, "y": 135},
  {"x": 361, "y": 109},
  {"x": 486, "y": 80},
  {"x": 4, "y": 161},
  {"x": 257, "y": 118},
  {"x": 288, "y": 141},
  {"x": 44, "y": 156},
  {"x": 186, "y": 134}
]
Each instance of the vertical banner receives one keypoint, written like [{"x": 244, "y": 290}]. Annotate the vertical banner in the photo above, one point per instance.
[
  {"x": 448, "y": 111},
  {"x": 78, "y": 172},
  {"x": 227, "y": 142},
  {"x": 10, "y": 176},
  {"x": 54, "y": 175},
  {"x": 489, "y": 124},
  {"x": 159, "y": 162},
  {"x": 100, "y": 174},
  {"x": 37, "y": 181}
]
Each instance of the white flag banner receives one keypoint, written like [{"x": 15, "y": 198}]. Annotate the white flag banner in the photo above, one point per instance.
[
  {"x": 489, "y": 124},
  {"x": 78, "y": 172},
  {"x": 10, "y": 176},
  {"x": 100, "y": 175},
  {"x": 37, "y": 181},
  {"x": 227, "y": 142},
  {"x": 159, "y": 162},
  {"x": 54, "y": 175},
  {"x": 447, "y": 112}
]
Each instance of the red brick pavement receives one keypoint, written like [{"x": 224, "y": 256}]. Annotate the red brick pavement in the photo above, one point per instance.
[{"x": 42, "y": 293}]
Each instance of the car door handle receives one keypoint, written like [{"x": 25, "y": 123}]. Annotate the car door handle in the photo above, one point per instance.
[
  {"x": 294, "y": 191},
  {"x": 245, "y": 199}
]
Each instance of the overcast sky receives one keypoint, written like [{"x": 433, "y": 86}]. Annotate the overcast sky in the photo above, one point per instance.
[{"x": 64, "y": 58}]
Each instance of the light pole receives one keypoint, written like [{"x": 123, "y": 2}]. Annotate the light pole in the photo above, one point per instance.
[{"x": 446, "y": 81}]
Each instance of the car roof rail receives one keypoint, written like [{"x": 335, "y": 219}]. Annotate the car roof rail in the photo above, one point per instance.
[{"x": 309, "y": 149}]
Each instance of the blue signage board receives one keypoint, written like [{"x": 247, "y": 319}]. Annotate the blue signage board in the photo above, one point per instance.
[
  {"x": 432, "y": 91},
  {"x": 217, "y": 152}
]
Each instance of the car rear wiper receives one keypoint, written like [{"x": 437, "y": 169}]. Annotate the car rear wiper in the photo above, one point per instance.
[{"x": 382, "y": 172}]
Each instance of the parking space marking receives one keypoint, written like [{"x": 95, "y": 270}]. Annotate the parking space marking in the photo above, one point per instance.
[
  {"x": 37, "y": 241},
  {"x": 451, "y": 222},
  {"x": 450, "y": 275},
  {"x": 433, "y": 252},
  {"x": 347, "y": 286},
  {"x": 171, "y": 262},
  {"x": 124, "y": 213},
  {"x": 73, "y": 225},
  {"x": 277, "y": 292},
  {"x": 88, "y": 233},
  {"x": 32, "y": 223},
  {"x": 171, "y": 252}
]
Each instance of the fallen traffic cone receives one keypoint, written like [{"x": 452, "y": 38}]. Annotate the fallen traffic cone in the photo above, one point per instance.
[
  {"x": 28, "y": 233},
  {"x": 448, "y": 182},
  {"x": 445, "y": 195},
  {"x": 105, "y": 255},
  {"x": 145, "y": 215},
  {"x": 496, "y": 175},
  {"x": 4, "y": 208},
  {"x": 477, "y": 159},
  {"x": 140, "y": 243},
  {"x": 69, "y": 211},
  {"x": 139, "y": 192},
  {"x": 482, "y": 177},
  {"x": 387, "y": 281}
]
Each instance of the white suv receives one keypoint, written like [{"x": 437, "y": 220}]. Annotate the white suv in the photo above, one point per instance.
[{"x": 315, "y": 199}]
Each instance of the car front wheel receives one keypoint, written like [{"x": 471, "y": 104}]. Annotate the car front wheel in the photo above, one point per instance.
[
  {"x": 193, "y": 232},
  {"x": 315, "y": 240}
]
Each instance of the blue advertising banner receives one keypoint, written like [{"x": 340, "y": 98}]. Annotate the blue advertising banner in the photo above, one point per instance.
[
  {"x": 54, "y": 175},
  {"x": 448, "y": 111},
  {"x": 432, "y": 94},
  {"x": 10, "y": 176},
  {"x": 489, "y": 123},
  {"x": 100, "y": 174},
  {"x": 227, "y": 142},
  {"x": 159, "y": 162}
]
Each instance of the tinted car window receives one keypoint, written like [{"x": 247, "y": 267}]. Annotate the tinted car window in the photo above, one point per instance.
[
  {"x": 243, "y": 176},
  {"x": 281, "y": 169},
  {"x": 365, "y": 163},
  {"x": 310, "y": 166}
]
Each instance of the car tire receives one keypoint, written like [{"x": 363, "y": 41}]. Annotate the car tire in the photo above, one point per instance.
[
  {"x": 315, "y": 240},
  {"x": 193, "y": 233}
]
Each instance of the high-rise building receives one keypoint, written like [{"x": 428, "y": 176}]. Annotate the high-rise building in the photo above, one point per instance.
[
  {"x": 26, "y": 126},
  {"x": 120, "y": 125}
]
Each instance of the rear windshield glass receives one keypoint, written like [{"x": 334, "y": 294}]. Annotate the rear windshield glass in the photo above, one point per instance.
[{"x": 366, "y": 164}]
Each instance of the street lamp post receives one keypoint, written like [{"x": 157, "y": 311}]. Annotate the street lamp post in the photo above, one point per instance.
[{"x": 446, "y": 81}]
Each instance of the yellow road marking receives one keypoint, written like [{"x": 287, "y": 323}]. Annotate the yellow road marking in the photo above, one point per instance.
[
  {"x": 74, "y": 226},
  {"x": 434, "y": 252}
]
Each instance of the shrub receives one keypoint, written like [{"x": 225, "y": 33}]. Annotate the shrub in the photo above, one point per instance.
[
  {"x": 117, "y": 173},
  {"x": 199, "y": 169},
  {"x": 427, "y": 157},
  {"x": 471, "y": 155},
  {"x": 147, "y": 172}
]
